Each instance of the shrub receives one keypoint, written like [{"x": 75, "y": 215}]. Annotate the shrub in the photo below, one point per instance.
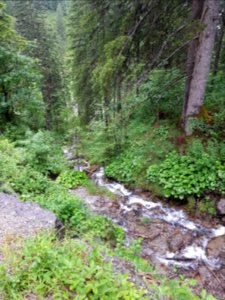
[
  {"x": 124, "y": 168},
  {"x": 29, "y": 183},
  {"x": 208, "y": 206},
  {"x": 9, "y": 160},
  {"x": 72, "y": 179},
  {"x": 43, "y": 153},
  {"x": 183, "y": 175},
  {"x": 73, "y": 213}
]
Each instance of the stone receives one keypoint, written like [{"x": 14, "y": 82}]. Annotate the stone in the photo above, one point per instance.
[
  {"x": 23, "y": 219},
  {"x": 216, "y": 246},
  {"x": 221, "y": 206},
  {"x": 179, "y": 240}
]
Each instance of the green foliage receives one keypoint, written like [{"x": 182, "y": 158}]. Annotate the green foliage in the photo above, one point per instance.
[
  {"x": 184, "y": 175},
  {"x": 207, "y": 206},
  {"x": 158, "y": 98},
  {"x": 124, "y": 168},
  {"x": 21, "y": 102},
  {"x": 31, "y": 24},
  {"x": 143, "y": 147},
  {"x": 72, "y": 212},
  {"x": 178, "y": 290},
  {"x": 9, "y": 160},
  {"x": 99, "y": 143},
  {"x": 191, "y": 204},
  {"x": 17, "y": 174},
  {"x": 43, "y": 152},
  {"x": 29, "y": 183},
  {"x": 66, "y": 270},
  {"x": 72, "y": 179}
]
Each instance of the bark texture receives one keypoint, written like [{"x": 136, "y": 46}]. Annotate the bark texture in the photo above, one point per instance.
[{"x": 201, "y": 53}]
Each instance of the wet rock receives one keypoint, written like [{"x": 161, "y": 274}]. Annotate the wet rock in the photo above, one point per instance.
[
  {"x": 115, "y": 205},
  {"x": 91, "y": 169},
  {"x": 179, "y": 240},
  {"x": 216, "y": 247},
  {"x": 221, "y": 206}
]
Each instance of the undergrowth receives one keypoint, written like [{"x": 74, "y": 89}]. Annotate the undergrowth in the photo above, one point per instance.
[{"x": 71, "y": 269}]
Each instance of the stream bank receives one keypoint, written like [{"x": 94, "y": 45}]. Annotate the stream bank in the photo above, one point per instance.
[{"x": 172, "y": 243}]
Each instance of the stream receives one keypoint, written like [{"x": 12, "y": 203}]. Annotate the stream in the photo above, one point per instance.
[
  {"x": 188, "y": 256},
  {"x": 170, "y": 238}
]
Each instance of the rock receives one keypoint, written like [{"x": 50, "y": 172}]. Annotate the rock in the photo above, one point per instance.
[
  {"x": 23, "y": 219},
  {"x": 216, "y": 247},
  {"x": 221, "y": 206},
  {"x": 91, "y": 169},
  {"x": 179, "y": 240}
]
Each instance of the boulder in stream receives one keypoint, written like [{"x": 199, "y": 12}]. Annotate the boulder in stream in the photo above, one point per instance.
[
  {"x": 216, "y": 248},
  {"x": 221, "y": 206},
  {"x": 179, "y": 240}
]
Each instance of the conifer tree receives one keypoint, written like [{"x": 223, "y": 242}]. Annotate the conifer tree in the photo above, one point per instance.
[{"x": 30, "y": 23}]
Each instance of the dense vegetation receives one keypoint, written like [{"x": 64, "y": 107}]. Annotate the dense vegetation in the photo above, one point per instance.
[
  {"x": 117, "y": 79},
  {"x": 131, "y": 89}
]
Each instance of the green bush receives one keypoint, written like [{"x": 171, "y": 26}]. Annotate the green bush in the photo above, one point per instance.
[
  {"x": 10, "y": 158},
  {"x": 73, "y": 213},
  {"x": 72, "y": 179},
  {"x": 29, "y": 182},
  {"x": 43, "y": 153},
  {"x": 124, "y": 168},
  {"x": 183, "y": 175},
  {"x": 207, "y": 206},
  {"x": 68, "y": 208}
]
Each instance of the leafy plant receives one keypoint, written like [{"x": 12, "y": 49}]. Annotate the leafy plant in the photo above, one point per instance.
[
  {"x": 10, "y": 160},
  {"x": 67, "y": 270},
  {"x": 72, "y": 179},
  {"x": 183, "y": 175},
  {"x": 208, "y": 206},
  {"x": 29, "y": 183},
  {"x": 124, "y": 168}
]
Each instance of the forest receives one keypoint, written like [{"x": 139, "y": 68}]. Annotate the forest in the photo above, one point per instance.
[{"x": 112, "y": 149}]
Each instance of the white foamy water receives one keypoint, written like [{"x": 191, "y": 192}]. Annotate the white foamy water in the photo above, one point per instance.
[{"x": 189, "y": 256}]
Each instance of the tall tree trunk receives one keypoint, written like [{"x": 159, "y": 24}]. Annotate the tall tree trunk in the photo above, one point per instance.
[
  {"x": 197, "y": 7},
  {"x": 195, "y": 89}
]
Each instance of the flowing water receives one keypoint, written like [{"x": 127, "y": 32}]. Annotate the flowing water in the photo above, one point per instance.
[{"x": 188, "y": 256}]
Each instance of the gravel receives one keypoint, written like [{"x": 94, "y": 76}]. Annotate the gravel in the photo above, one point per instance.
[{"x": 22, "y": 219}]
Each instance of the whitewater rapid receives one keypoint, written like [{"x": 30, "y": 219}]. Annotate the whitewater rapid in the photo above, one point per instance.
[{"x": 189, "y": 256}]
